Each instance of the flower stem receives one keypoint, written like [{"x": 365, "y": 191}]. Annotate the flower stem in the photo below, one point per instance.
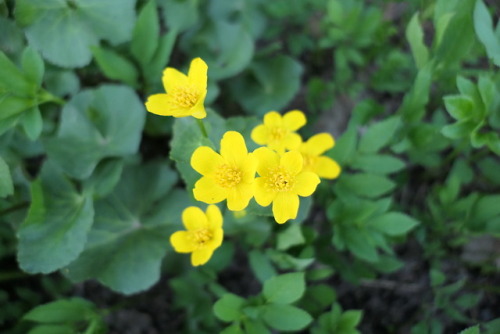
[{"x": 202, "y": 128}]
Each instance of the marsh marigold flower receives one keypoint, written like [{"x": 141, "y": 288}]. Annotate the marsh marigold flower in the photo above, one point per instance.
[
  {"x": 185, "y": 94},
  {"x": 204, "y": 234},
  {"x": 281, "y": 182},
  {"x": 278, "y": 132},
  {"x": 228, "y": 175},
  {"x": 314, "y": 161}
]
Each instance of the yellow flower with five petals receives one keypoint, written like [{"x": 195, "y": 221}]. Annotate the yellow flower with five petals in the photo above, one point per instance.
[
  {"x": 204, "y": 234},
  {"x": 278, "y": 132},
  {"x": 185, "y": 94},
  {"x": 281, "y": 182},
  {"x": 314, "y": 161},
  {"x": 228, "y": 175}
]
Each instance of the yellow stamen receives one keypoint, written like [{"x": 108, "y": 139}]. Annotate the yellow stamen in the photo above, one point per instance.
[
  {"x": 280, "y": 180},
  {"x": 201, "y": 236},
  {"x": 309, "y": 160},
  {"x": 185, "y": 97},
  {"x": 277, "y": 133},
  {"x": 227, "y": 176}
]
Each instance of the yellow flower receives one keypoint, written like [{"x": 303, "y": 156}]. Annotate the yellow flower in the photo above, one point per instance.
[
  {"x": 281, "y": 182},
  {"x": 228, "y": 175},
  {"x": 204, "y": 234},
  {"x": 185, "y": 94},
  {"x": 312, "y": 151},
  {"x": 278, "y": 132}
]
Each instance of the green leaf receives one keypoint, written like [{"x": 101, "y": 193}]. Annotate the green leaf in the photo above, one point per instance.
[
  {"x": 33, "y": 65},
  {"x": 459, "y": 129},
  {"x": 59, "y": 219},
  {"x": 471, "y": 330},
  {"x": 52, "y": 329},
  {"x": 79, "y": 24},
  {"x": 284, "y": 289},
  {"x": 378, "y": 163},
  {"x": 94, "y": 126},
  {"x": 379, "y": 135},
  {"x": 285, "y": 317},
  {"x": 105, "y": 177},
  {"x": 115, "y": 66},
  {"x": 228, "y": 308},
  {"x": 261, "y": 266},
  {"x": 62, "y": 311},
  {"x": 132, "y": 226},
  {"x": 269, "y": 84},
  {"x": 393, "y": 223},
  {"x": 367, "y": 185},
  {"x": 146, "y": 34},
  {"x": 154, "y": 68},
  {"x": 415, "y": 36},
  {"x": 255, "y": 327},
  {"x": 180, "y": 15},
  {"x": 6, "y": 186},
  {"x": 13, "y": 79},
  {"x": 460, "y": 107},
  {"x": 486, "y": 208},
  {"x": 290, "y": 237},
  {"x": 32, "y": 123},
  {"x": 349, "y": 320},
  {"x": 483, "y": 25},
  {"x": 358, "y": 241}
]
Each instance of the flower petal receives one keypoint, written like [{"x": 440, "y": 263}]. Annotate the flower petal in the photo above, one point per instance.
[
  {"x": 160, "y": 104},
  {"x": 327, "y": 168},
  {"x": 181, "y": 242},
  {"x": 273, "y": 118},
  {"x": 193, "y": 218},
  {"x": 214, "y": 216},
  {"x": 205, "y": 160},
  {"x": 263, "y": 195},
  {"x": 292, "y": 141},
  {"x": 198, "y": 111},
  {"x": 198, "y": 74},
  {"x": 173, "y": 78},
  {"x": 260, "y": 134},
  {"x": 319, "y": 144},
  {"x": 239, "y": 196},
  {"x": 266, "y": 159},
  {"x": 218, "y": 236},
  {"x": 248, "y": 168},
  {"x": 306, "y": 183},
  {"x": 292, "y": 161},
  {"x": 233, "y": 148},
  {"x": 294, "y": 120},
  {"x": 208, "y": 191},
  {"x": 285, "y": 207},
  {"x": 201, "y": 256}
]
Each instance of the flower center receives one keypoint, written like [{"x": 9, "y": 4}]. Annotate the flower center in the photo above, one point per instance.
[
  {"x": 309, "y": 161},
  {"x": 227, "y": 176},
  {"x": 185, "y": 97},
  {"x": 201, "y": 236},
  {"x": 280, "y": 180},
  {"x": 277, "y": 133}
]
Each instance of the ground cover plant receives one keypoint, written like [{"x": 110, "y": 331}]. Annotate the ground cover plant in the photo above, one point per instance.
[{"x": 249, "y": 166}]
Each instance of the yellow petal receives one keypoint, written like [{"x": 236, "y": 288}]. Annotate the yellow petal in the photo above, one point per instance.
[
  {"x": 205, "y": 160},
  {"x": 233, "y": 148},
  {"x": 172, "y": 78},
  {"x": 208, "y": 191},
  {"x": 263, "y": 195},
  {"x": 285, "y": 207},
  {"x": 249, "y": 167},
  {"x": 272, "y": 118},
  {"x": 292, "y": 161},
  {"x": 266, "y": 159},
  {"x": 160, "y": 104},
  {"x": 327, "y": 168},
  {"x": 319, "y": 144},
  {"x": 218, "y": 236},
  {"x": 193, "y": 218},
  {"x": 181, "y": 242},
  {"x": 198, "y": 111},
  {"x": 239, "y": 196},
  {"x": 201, "y": 256},
  {"x": 214, "y": 217},
  {"x": 198, "y": 74},
  {"x": 292, "y": 141},
  {"x": 306, "y": 183},
  {"x": 260, "y": 134},
  {"x": 294, "y": 120}
]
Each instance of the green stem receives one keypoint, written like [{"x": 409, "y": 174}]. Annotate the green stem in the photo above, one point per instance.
[{"x": 202, "y": 128}]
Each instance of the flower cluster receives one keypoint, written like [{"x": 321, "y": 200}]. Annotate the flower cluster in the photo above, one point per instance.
[{"x": 280, "y": 171}]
